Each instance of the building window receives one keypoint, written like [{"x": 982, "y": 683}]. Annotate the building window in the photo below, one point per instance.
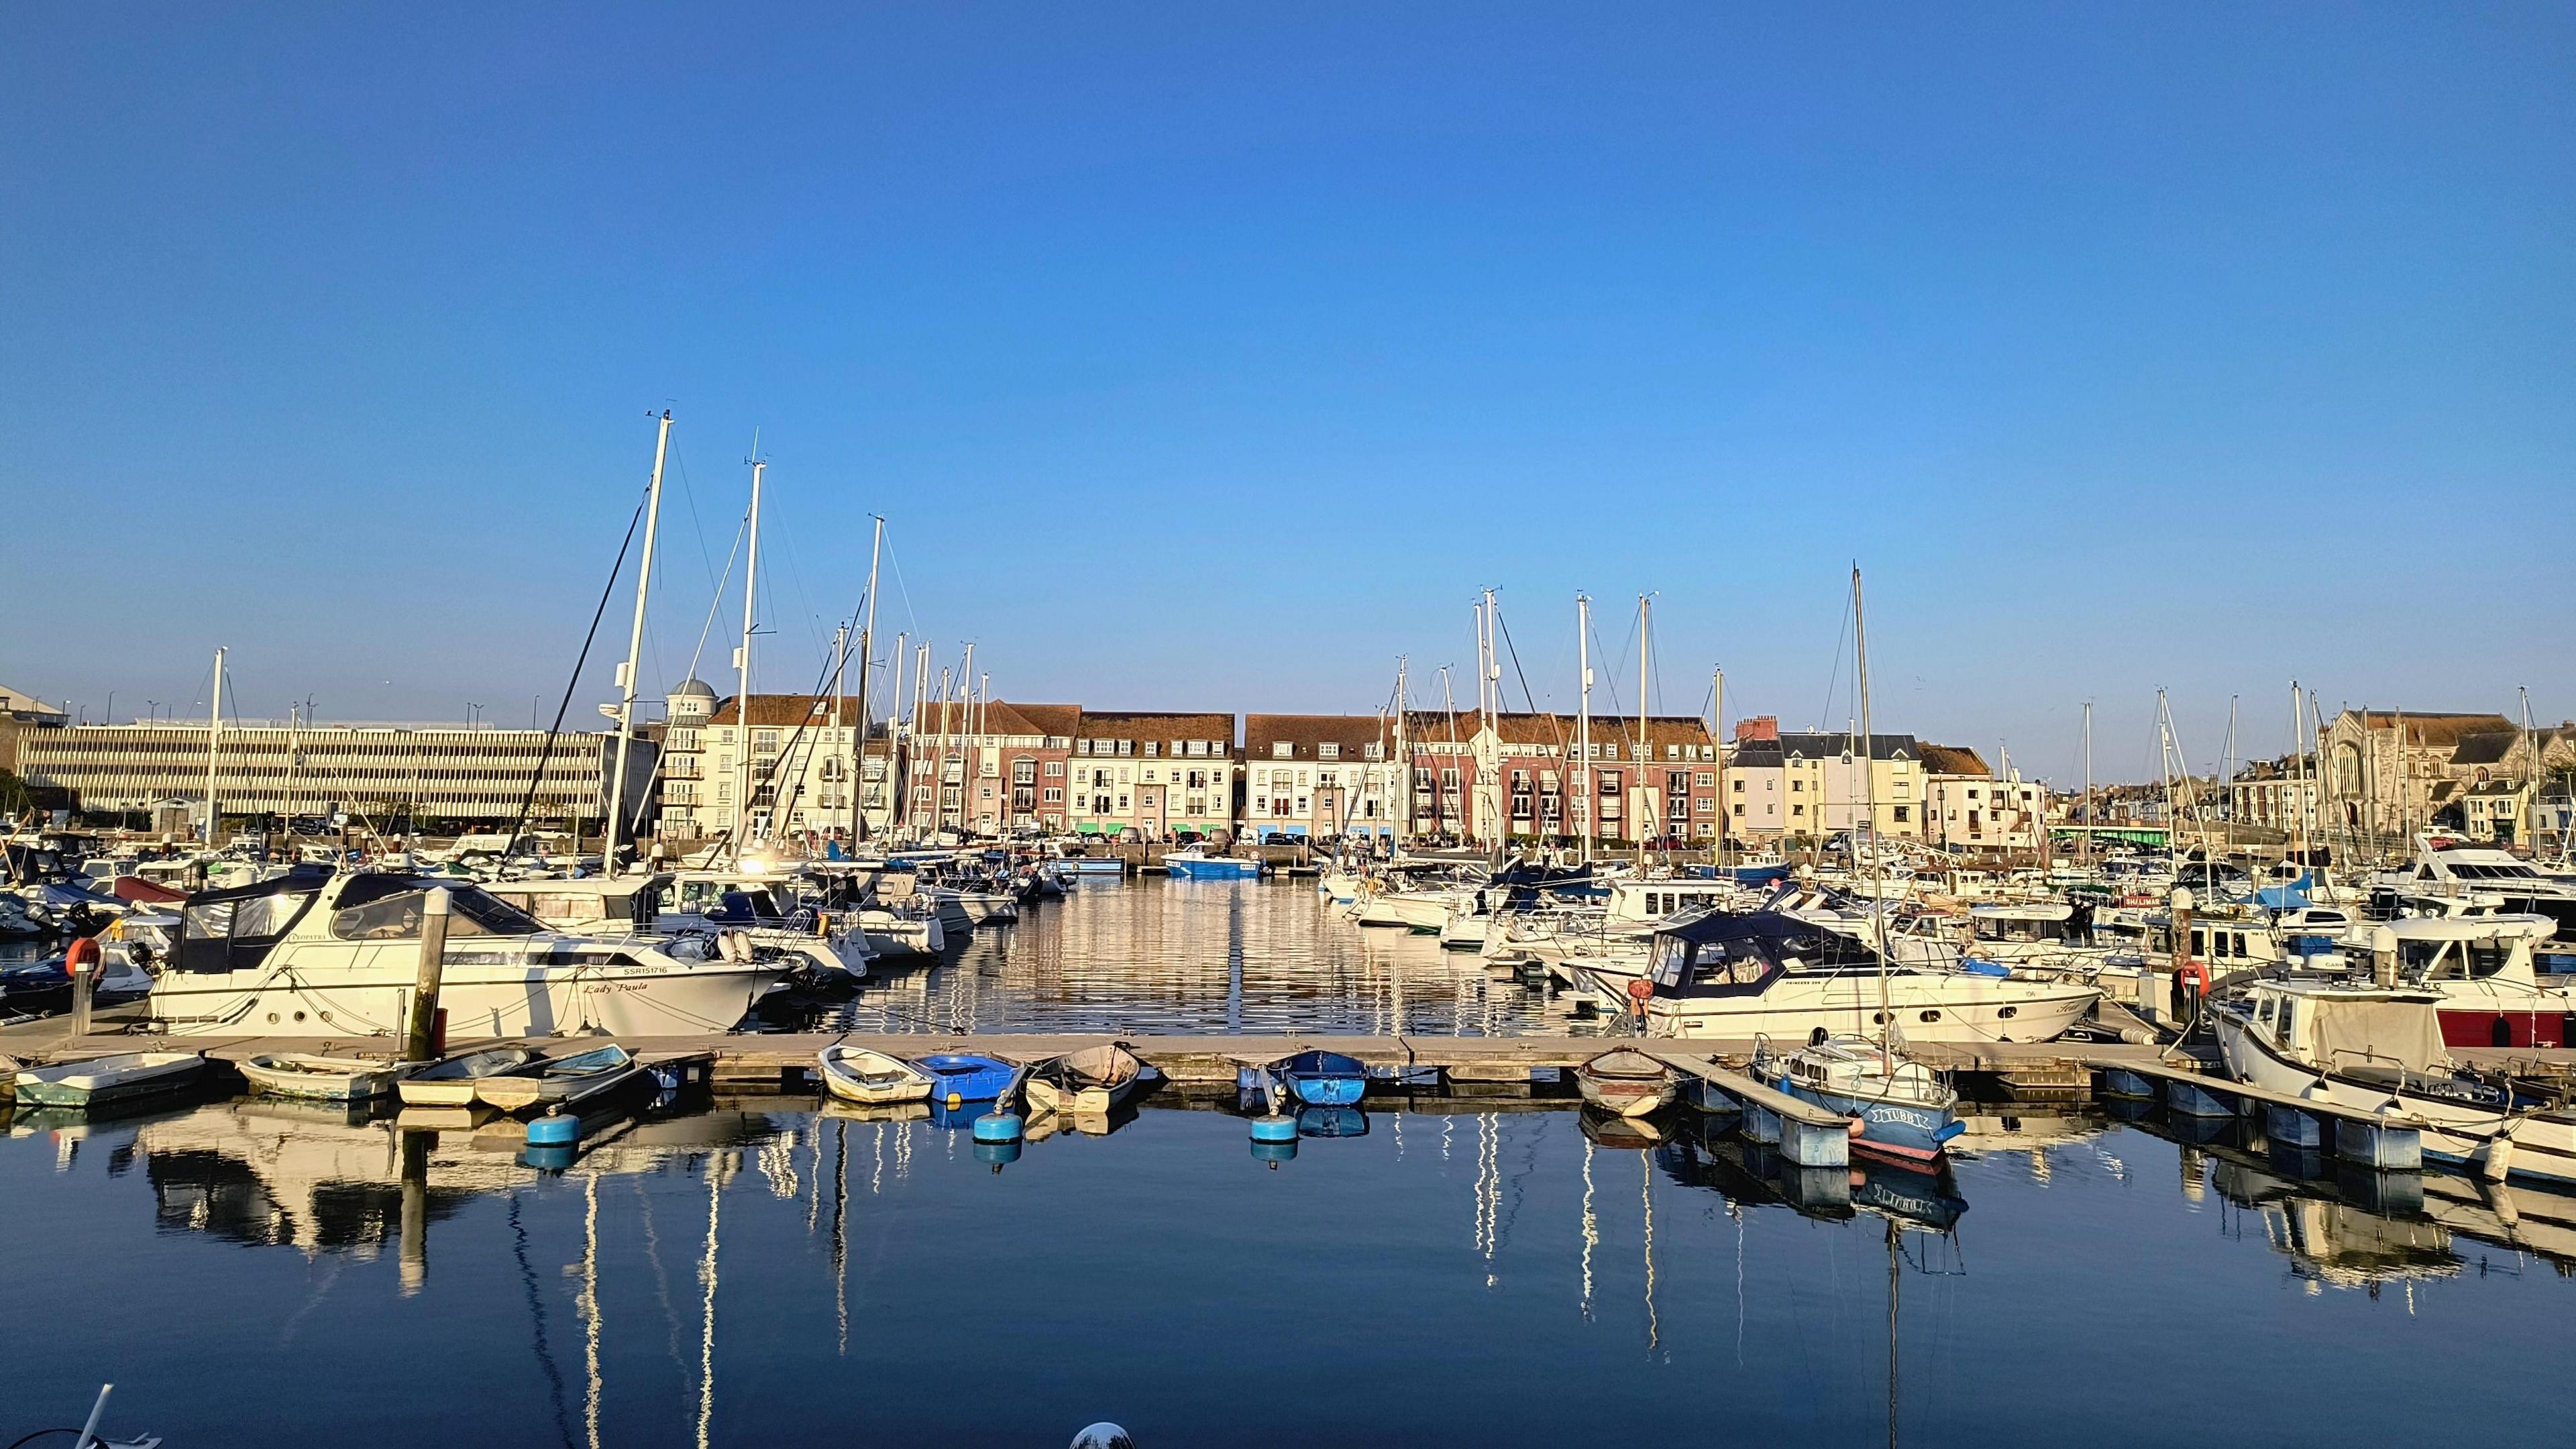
[
  {"x": 1328, "y": 751},
  {"x": 1903, "y": 813},
  {"x": 1055, "y": 769},
  {"x": 1282, "y": 750}
]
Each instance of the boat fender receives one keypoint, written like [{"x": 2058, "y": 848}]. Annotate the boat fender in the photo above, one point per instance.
[
  {"x": 554, "y": 1131},
  {"x": 1855, "y": 1128},
  {"x": 2495, "y": 1164}
]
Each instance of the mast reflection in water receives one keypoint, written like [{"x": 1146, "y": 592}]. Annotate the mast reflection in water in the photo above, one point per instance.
[{"x": 766, "y": 1272}]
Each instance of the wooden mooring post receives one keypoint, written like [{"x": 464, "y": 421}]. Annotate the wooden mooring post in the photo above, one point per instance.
[{"x": 420, "y": 1032}]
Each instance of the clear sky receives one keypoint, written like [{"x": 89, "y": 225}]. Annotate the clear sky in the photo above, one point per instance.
[{"x": 1211, "y": 356}]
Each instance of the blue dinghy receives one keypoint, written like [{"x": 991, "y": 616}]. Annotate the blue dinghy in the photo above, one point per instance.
[
  {"x": 960, "y": 1078},
  {"x": 1323, "y": 1079}
]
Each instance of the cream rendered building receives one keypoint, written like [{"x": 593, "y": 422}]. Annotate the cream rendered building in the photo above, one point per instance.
[{"x": 1822, "y": 774}]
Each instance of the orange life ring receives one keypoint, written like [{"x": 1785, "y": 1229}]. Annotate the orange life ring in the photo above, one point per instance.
[
  {"x": 1640, "y": 991},
  {"x": 2196, "y": 974}
]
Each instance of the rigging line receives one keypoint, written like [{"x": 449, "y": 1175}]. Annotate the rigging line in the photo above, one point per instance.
[
  {"x": 903, "y": 588},
  {"x": 1555, "y": 725},
  {"x": 689, "y": 495},
  {"x": 1834, "y": 680},
  {"x": 538, "y": 775},
  {"x": 715, "y": 600},
  {"x": 1610, "y": 677}
]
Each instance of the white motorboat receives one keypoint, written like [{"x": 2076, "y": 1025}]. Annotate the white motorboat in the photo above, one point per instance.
[
  {"x": 2483, "y": 969},
  {"x": 855, "y": 1074},
  {"x": 107, "y": 1081},
  {"x": 2377, "y": 1048},
  {"x": 759, "y": 909},
  {"x": 1736, "y": 978},
  {"x": 318, "y": 1079},
  {"x": 311, "y": 954},
  {"x": 2446, "y": 867}
]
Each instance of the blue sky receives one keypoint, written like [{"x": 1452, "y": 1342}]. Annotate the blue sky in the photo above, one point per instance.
[{"x": 1213, "y": 356}]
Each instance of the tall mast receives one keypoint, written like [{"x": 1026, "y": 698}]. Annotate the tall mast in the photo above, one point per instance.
[
  {"x": 1869, "y": 811},
  {"x": 1637, "y": 789},
  {"x": 214, "y": 738},
  {"x": 742, "y": 666},
  {"x": 2298, "y": 779},
  {"x": 2526, "y": 829},
  {"x": 2089, "y": 822},
  {"x": 1716, "y": 731},
  {"x": 939, "y": 773},
  {"x": 1401, "y": 793},
  {"x": 965, "y": 738},
  {"x": 867, "y": 653},
  {"x": 840, "y": 667},
  {"x": 1582, "y": 774},
  {"x": 634, "y": 651}
]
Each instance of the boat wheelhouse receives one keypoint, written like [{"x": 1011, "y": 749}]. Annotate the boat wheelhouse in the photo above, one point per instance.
[{"x": 1736, "y": 978}]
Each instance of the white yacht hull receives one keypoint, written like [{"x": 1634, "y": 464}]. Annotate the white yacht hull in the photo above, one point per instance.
[
  {"x": 1963, "y": 1009},
  {"x": 371, "y": 996},
  {"x": 2543, "y": 1145}
]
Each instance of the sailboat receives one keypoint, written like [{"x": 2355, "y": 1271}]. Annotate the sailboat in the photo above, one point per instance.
[{"x": 1898, "y": 1108}]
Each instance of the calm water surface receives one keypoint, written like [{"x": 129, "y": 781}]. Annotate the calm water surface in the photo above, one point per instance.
[
  {"x": 1195, "y": 956},
  {"x": 760, "y": 1274}
]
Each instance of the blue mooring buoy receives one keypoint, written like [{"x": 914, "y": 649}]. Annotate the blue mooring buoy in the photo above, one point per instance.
[
  {"x": 999, "y": 1127},
  {"x": 1274, "y": 1129},
  {"x": 1275, "y": 1153},
  {"x": 554, "y": 1131},
  {"x": 997, "y": 1155}
]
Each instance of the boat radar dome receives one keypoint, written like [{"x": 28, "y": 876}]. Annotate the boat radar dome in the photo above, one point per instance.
[
  {"x": 690, "y": 700},
  {"x": 1103, "y": 1436}
]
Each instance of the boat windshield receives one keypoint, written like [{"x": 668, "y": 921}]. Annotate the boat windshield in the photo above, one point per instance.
[{"x": 389, "y": 908}]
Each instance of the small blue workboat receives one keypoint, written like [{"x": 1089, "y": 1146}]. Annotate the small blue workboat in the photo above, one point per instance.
[
  {"x": 963, "y": 1078},
  {"x": 1197, "y": 864},
  {"x": 1900, "y": 1109},
  {"x": 1323, "y": 1079}
]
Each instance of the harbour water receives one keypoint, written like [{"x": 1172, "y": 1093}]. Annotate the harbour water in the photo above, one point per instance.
[
  {"x": 1157, "y": 955},
  {"x": 764, "y": 1273},
  {"x": 765, "y": 1270}
]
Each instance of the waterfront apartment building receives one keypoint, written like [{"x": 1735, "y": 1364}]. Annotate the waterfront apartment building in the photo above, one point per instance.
[
  {"x": 1827, "y": 793},
  {"x": 1756, "y": 798},
  {"x": 1165, "y": 776},
  {"x": 1531, "y": 776},
  {"x": 1967, "y": 807},
  {"x": 1314, "y": 776},
  {"x": 374, "y": 773},
  {"x": 987, "y": 768},
  {"x": 806, "y": 775}
]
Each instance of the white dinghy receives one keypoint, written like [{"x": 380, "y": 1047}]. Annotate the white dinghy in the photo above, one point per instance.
[
  {"x": 318, "y": 1079},
  {"x": 855, "y": 1074}
]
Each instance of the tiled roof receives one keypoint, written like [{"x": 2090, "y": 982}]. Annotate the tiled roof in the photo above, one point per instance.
[
  {"x": 2433, "y": 727},
  {"x": 1152, "y": 725},
  {"x": 786, "y": 709},
  {"x": 1551, "y": 729},
  {"x": 1756, "y": 755},
  {"x": 1354, "y": 733},
  {"x": 1819, "y": 744},
  {"x": 1953, "y": 760}
]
